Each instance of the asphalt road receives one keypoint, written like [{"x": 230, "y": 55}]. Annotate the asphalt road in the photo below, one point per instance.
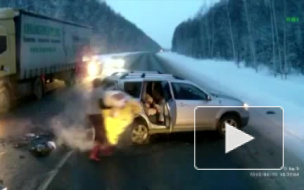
[{"x": 166, "y": 163}]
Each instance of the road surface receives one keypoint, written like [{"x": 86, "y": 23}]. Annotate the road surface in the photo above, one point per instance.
[{"x": 166, "y": 163}]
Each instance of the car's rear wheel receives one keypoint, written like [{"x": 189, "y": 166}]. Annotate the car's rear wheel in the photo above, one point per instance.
[
  {"x": 139, "y": 133},
  {"x": 232, "y": 120},
  {"x": 70, "y": 79},
  {"x": 38, "y": 88}
]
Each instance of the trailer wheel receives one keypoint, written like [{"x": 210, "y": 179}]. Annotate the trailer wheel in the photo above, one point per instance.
[
  {"x": 5, "y": 100},
  {"x": 71, "y": 79},
  {"x": 38, "y": 88}
]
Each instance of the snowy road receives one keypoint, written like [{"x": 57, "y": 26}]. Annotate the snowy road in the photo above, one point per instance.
[{"x": 166, "y": 163}]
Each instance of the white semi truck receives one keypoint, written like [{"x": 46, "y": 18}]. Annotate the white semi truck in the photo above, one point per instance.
[{"x": 34, "y": 50}]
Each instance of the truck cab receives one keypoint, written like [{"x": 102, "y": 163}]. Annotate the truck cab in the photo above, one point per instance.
[
  {"x": 7, "y": 58},
  {"x": 7, "y": 44}
]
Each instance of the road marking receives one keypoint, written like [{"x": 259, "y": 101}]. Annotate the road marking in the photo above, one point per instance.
[{"x": 45, "y": 184}]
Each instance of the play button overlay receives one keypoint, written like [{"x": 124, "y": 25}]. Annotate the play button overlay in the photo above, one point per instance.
[
  {"x": 238, "y": 138},
  {"x": 235, "y": 138}
]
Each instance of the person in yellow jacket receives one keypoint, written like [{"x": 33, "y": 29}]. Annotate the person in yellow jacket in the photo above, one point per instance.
[
  {"x": 110, "y": 113},
  {"x": 117, "y": 119}
]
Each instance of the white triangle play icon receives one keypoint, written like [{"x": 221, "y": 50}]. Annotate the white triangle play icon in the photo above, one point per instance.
[{"x": 235, "y": 138}]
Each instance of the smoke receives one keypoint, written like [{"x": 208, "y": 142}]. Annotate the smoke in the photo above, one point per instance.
[
  {"x": 70, "y": 127},
  {"x": 75, "y": 137},
  {"x": 13, "y": 128}
]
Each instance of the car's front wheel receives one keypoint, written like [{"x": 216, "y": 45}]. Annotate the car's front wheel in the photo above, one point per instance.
[
  {"x": 229, "y": 119},
  {"x": 139, "y": 133}
]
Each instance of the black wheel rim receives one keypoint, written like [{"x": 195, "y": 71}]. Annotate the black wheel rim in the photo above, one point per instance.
[{"x": 139, "y": 134}]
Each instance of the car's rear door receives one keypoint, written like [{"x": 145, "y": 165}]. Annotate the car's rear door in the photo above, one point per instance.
[{"x": 168, "y": 106}]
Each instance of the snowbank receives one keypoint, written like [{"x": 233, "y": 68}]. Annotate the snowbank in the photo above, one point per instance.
[
  {"x": 257, "y": 89},
  {"x": 106, "y": 56}
]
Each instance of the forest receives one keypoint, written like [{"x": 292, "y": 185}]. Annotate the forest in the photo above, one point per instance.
[
  {"x": 256, "y": 32},
  {"x": 112, "y": 32}
]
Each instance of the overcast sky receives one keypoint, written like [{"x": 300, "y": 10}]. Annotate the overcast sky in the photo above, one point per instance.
[{"x": 157, "y": 18}]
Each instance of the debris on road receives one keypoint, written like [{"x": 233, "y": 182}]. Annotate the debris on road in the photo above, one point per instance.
[
  {"x": 2, "y": 187},
  {"x": 39, "y": 144},
  {"x": 52, "y": 145},
  {"x": 42, "y": 147},
  {"x": 40, "y": 150},
  {"x": 21, "y": 144},
  {"x": 21, "y": 157},
  {"x": 31, "y": 135}
]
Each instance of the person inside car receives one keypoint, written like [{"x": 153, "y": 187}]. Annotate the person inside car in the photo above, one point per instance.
[
  {"x": 154, "y": 102},
  {"x": 149, "y": 106},
  {"x": 159, "y": 101}
]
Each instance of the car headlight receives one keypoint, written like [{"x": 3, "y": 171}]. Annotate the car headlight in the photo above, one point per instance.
[
  {"x": 93, "y": 68},
  {"x": 120, "y": 63},
  {"x": 86, "y": 58},
  {"x": 246, "y": 106}
]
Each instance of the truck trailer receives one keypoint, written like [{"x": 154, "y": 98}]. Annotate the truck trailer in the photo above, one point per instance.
[{"x": 36, "y": 49}]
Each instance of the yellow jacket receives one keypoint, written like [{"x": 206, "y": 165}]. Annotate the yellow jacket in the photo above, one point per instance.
[{"x": 116, "y": 124}]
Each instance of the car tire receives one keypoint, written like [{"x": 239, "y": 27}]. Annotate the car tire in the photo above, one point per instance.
[
  {"x": 139, "y": 133},
  {"x": 38, "y": 88},
  {"x": 230, "y": 119},
  {"x": 70, "y": 79}
]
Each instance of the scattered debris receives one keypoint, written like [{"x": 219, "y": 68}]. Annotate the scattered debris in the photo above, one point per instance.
[
  {"x": 52, "y": 145},
  {"x": 30, "y": 135},
  {"x": 21, "y": 144},
  {"x": 41, "y": 147},
  {"x": 2, "y": 187},
  {"x": 39, "y": 144},
  {"x": 21, "y": 157}
]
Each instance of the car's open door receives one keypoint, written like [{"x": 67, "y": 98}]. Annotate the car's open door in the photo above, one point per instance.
[{"x": 170, "y": 114}]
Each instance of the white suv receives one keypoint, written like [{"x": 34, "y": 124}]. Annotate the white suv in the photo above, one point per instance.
[{"x": 169, "y": 102}]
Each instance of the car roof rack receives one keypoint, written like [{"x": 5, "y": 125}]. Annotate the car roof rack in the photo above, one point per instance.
[
  {"x": 145, "y": 74},
  {"x": 178, "y": 77},
  {"x": 138, "y": 74}
]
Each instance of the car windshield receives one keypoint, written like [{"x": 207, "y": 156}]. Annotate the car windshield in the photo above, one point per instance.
[{"x": 151, "y": 94}]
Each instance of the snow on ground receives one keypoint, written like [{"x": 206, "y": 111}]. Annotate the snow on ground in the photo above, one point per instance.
[
  {"x": 113, "y": 55},
  {"x": 256, "y": 89}
]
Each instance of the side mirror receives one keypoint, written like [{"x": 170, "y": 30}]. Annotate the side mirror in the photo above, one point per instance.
[{"x": 209, "y": 98}]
